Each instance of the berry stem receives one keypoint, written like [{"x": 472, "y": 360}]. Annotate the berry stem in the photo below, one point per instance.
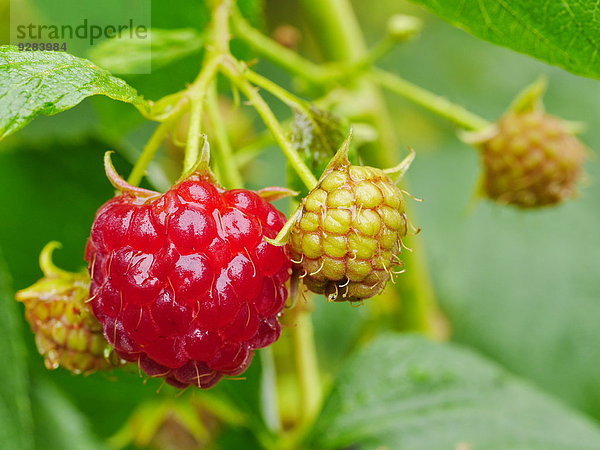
[
  {"x": 225, "y": 159},
  {"x": 281, "y": 93},
  {"x": 141, "y": 165},
  {"x": 273, "y": 51},
  {"x": 218, "y": 47},
  {"x": 307, "y": 368},
  {"x": 347, "y": 47},
  {"x": 232, "y": 70},
  {"x": 435, "y": 103},
  {"x": 197, "y": 93}
]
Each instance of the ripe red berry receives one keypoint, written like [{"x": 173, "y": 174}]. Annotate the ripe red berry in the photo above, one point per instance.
[{"x": 184, "y": 283}]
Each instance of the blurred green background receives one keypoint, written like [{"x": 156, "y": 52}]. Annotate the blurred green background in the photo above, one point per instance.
[{"x": 522, "y": 288}]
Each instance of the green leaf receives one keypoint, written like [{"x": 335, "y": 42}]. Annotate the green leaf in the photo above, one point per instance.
[
  {"x": 15, "y": 410},
  {"x": 130, "y": 55},
  {"x": 522, "y": 287},
  {"x": 58, "y": 424},
  {"x": 405, "y": 392},
  {"x": 35, "y": 83},
  {"x": 246, "y": 394},
  {"x": 565, "y": 33},
  {"x": 253, "y": 10}
]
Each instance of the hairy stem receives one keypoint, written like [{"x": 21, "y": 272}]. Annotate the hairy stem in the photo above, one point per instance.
[
  {"x": 236, "y": 75},
  {"x": 282, "y": 94}
]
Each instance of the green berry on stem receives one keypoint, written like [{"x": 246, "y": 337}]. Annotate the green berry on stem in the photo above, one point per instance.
[
  {"x": 530, "y": 158},
  {"x": 348, "y": 231},
  {"x": 66, "y": 332}
]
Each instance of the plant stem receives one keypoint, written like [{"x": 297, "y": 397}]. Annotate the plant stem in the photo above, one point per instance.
[
  {"x": 192, "y": 148},
  {"x": 235, "y": 74},
  {"x": 352, "y": 57},
  {"x": 153, "y": 144},
  {"x": 337, "y": 29},
  {"x": 197, "y": 94},
  {"x": 270, "y": 409},
  {"x": 282, "y": 94},
  {"x": 225, "y": 160},
  {"x": 306, "y": 365},
  {"x": 277, "y": 53},
  {"x": 217, "y": 48},
  {"x": 220, "y": 27},
  {"x": 435, "y": 103}
]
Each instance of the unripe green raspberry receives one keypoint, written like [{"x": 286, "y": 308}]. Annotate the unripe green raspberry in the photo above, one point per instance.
[
  {"x": 66, "y": 332},
  {"x": 531, "y": 160},
  {"x": 349, "y": 232}
]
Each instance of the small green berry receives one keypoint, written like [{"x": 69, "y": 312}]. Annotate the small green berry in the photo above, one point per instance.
[
  {"x": 66, "y": 332},
  {"x": 349, "y": 232},
  {"x": 531, "y": 160}
]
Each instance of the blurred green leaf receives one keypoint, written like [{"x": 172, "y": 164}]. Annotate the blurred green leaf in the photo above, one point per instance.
[
  {"x": 520, "y": 286},
  {"x": 253, "y": 10},
  {"x": 35, "y": 83},
  {"x": 130, "y": 55},
  {"x": 561, "y": 32},
  {"x": 406, "y": 392},
  {"x": 235, "y": 438},
  {"x": 246, "y": 394},
  {"x": 15, "y": 410},
  {"x": 58, "y": 424}
]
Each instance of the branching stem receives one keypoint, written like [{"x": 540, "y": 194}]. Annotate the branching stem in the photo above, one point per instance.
[
  {"x": 281, "y": 93},
  {"x": 273, "y": 51},
  {"x": 232, "y": 70},
  {"x": 435, "y": 103},
  {"x": 147, "y": 155},
  {"x": 353, "y": 61}
]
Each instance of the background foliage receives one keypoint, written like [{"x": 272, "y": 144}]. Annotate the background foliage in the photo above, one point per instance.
[{"x": 519, "y": 288}]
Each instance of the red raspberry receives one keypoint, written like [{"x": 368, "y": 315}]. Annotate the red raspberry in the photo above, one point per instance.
[{"x": 184, "y": 283}]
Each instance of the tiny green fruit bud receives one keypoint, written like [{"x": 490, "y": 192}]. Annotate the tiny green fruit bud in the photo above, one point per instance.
[{"x": 403, "y": 28}]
